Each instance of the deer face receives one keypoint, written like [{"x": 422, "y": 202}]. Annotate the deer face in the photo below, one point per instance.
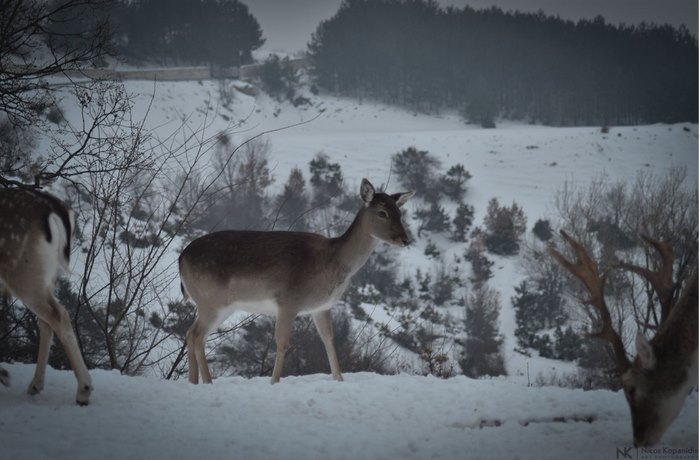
[
  {"x": 383, "y": 215},
  {"x": 654, "y": 393}
]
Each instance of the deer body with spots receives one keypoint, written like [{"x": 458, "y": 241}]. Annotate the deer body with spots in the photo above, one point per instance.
[
  {"x": 283, "y": 274},
  {"x": 35, "y": 238}
]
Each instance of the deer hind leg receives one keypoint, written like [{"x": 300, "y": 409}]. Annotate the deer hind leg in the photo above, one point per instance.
[
  {"x": 196, "y": 354},
  {"x": 283, "y": 331},
  {"x": 45, "y": 339},
  {"x": 196, "y": 340},
  {"x": 193, "y": 366},
  {"x": 59, "y": 320},
  {"x": 324, "y": 326}
]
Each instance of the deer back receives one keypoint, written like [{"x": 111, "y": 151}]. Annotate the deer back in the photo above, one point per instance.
[{"x": 35, "y": 236}]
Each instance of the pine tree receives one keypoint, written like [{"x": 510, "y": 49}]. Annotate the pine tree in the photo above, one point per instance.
[
  {"x": 454, "y": 182},
  {"x": 433, "y": 219},
  {"x": 527, "y": 321},
  {"x": 482, "y": 349},
  {"x": 326, "y": 180},
  {"x": 293, "y": 203},
  {"x": 481, "y": 265},
  {"x": 568, "y": 344},
  {"x": 463, "y": 220}
]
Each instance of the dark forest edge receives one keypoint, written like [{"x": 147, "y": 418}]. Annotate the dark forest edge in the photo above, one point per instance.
[
  {"x": 488, "y": 64},
  {"x": 492, "y": 64}
]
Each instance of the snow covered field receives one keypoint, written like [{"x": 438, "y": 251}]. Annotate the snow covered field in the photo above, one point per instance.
[
  {"x": 367, "y": 416},
  {"x": 313, "y": 417}
]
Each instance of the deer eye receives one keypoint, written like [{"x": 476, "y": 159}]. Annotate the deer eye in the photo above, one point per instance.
[{"x": 383, "y": 214}]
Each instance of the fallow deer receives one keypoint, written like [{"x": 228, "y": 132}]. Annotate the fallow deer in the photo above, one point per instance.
[
  {"x": 665, "y": 369},
  {"x": 283, "y": 274},
  {"x": 35, "y": 239}
]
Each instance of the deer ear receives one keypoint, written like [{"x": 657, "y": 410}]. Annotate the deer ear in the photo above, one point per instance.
[
  {"x": 366, "y": 191},
  {"x": 402, "y": 198},
  {"x": 645, "y": 352}
]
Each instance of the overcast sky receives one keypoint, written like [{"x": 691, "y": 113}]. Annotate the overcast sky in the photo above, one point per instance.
[{"x": 288, "y": 24}]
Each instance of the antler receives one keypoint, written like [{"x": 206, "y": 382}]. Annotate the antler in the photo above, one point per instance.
[
  {"x": 661, "y": 280},
  {"x": 585, "y": 269}
]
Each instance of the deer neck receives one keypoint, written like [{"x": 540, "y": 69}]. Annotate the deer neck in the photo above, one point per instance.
[{"x": 352, "y": 249}]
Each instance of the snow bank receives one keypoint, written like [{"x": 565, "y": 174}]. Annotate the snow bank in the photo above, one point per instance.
[{"x": 313, "y": 417}]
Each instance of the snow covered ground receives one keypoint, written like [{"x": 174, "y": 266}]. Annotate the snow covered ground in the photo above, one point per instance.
[
  {"x": 313, "y": 417},
  {"x": 368, "y": 416}
]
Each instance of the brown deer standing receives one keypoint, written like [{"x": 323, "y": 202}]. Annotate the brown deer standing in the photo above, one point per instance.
[
  {"x": 657, "y": 382},
  {"x": 35, "y": 237},
  {"x": 283, "y": 274}
]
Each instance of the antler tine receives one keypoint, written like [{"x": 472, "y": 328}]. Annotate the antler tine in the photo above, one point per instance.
[
  {"x": 661, "y": 280},
  {"x": 585, "y": 270}
]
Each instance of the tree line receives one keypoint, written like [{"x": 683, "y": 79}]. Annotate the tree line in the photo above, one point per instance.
[
  {"x": 489, "y": 63},
  {"x": 167, "y": 32},
  {"x": 221, "y": 32}
]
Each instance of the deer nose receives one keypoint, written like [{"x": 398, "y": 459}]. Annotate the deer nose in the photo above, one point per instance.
[{"x": 643, "y": 442}]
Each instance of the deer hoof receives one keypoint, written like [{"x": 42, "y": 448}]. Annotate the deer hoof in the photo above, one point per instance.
[
  {"x": 4, "y": 377},
  {"x": 83, "y": 396},
  {"x": 34, "y": 389}
]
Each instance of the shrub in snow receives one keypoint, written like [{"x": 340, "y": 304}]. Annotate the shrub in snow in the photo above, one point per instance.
[
  {"x": 16, "y": 145},
  {"x": 504, "y": 227},
  {"x": 433, "y": 219},
  {"x": 444, "y": 286},
  {"x": 541, "y": 308},
  {"x": 431, "y": 250},
  {"x": 417, "y": 171},
  {"x": 475, "y": 254},
  {"x": 252, "y": 352},
  {"x": 453, "y": 183},
  {"x": 436, "y": 363},
  {"x": 543, "y": 230}
]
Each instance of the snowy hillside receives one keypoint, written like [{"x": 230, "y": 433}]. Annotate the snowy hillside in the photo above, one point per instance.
[
  {"x": 313, "y": 417},
  {"x": 515, "y": 163},
  {"x": 368, "y": 416}
]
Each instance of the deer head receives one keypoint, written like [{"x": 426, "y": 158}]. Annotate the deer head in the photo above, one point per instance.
[
  {"x": 384, "y": 216},
  {"x": 658, "y": 380}
]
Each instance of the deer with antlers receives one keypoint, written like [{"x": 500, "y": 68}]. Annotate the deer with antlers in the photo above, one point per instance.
[
  {"x": 665, "y": 369},
  {"x": 35, "y": 239},
  {"x": 283, "y": 274}
]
